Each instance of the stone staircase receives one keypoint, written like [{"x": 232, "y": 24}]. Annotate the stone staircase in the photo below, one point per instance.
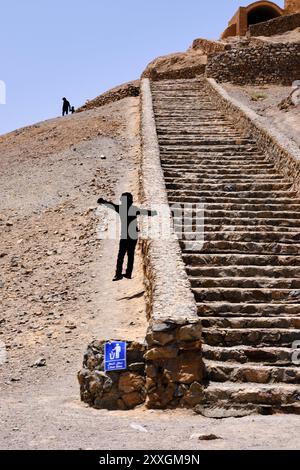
[{"x": 246, "y": 278}]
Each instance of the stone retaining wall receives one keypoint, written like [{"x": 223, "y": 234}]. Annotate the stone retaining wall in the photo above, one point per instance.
[
  {"x": 173, "y": 358},
  {"x": 115, "y": 94},
  {"x": 113, "y": 390},
  {"x": 276, "y": 26},
  {"x": 283, "y": 151},
  {"x": 268, "y": 63},
  {"x": 205, "y": 46}
]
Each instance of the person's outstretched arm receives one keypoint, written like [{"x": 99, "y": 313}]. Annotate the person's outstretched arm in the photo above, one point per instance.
[{"x": 108, "y": 204}]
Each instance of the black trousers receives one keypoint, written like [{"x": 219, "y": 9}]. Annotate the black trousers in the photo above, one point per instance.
[
  {"x": 126, "y": 247},
  {"x": 65, "y": 111}
]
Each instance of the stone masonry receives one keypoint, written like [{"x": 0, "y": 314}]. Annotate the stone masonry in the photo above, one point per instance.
[
  {"x": 174, "y": 364},
  {"x": 268, "y": 63},
  {"x": 292, "y": 6},
  {"x": 276, "y": 26},
  {"x": 113, "y": 390}
]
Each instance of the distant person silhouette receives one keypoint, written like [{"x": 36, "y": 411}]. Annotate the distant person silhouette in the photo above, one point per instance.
[
  {"x": 129, "y": 231},
  {"x": 66, "y": 107},
  {"x": 72, "y": 110}
]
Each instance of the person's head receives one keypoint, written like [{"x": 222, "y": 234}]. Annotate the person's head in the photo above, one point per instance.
[
  {"x": 127, "y": 199},
  {"x": 64, "y": 99}
]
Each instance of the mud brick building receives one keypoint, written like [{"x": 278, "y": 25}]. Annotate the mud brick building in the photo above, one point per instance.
[{"x": 258, "y": 12}]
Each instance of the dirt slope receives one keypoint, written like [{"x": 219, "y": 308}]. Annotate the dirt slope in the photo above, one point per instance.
[{"x": 266, "y": 100}]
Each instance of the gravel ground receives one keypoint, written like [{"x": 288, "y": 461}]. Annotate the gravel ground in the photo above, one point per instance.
[{"x": 265, "y": 100}]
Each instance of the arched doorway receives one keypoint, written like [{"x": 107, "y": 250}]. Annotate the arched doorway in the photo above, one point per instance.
[
  {"x": 254, "y": 13},
  {"x": 262, "y": 11}
]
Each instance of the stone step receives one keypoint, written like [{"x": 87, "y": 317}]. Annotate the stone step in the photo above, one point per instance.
[
  {"x": 197, "y": 117},
  {"x": 176, "y": 170},
  {"x": 249, "y": 166},
  {"x": 252, "y": 393},
  {"x": 169, "y": 106},
  {"x": 193, "y": 90},
  {"x": 254, "y": 309},
  {"x": 230, "y": 154},
  {"x": 247, "y": 296},
  {"x": 180, "y": 197},
  {"x": 179, "y": 110},
  {"x": 253, "y": 272},
  {"x": 186, "y": 225},
  {"x": 171, "y": 170},
  {"x": 262, "y": 374},
  {"x": 235, "y": 187},
  {"x": 234, "y": 197},
  {"x": 254, "y": 212},
  {"x": 180, "y": 101},
  {"x": 162, "y": 96},
  {"x": 211, "y": 154},
  {"x": 207, "y": 158},
  {"x": 258, "y": 337},
  {"x": 220, "y": 195},
  {"x": 250, "y": 322},
  {"x": 215, "y": 247},
  {"x": 212, "y": 166},
  {"x": 257, "y": 237},
  {"x": 234, "y": 221},
  {"x": 197, "y": 142},
  {"x": 173, "y": 130},
  {"x": 235, "y": 179},
  {"x": 245, "y": 283},
  {"x": 223, "y": 260},
  {"x": 196, "y": 127},
  {"x": 226, "y": 409},
  {"x": 261, "y": 214},
  {"x": 204, "y": 112},
  {"x": 253, "y": 354},
  {"x": 226, "y": 150},
  {"x": 232, "y": 168}
]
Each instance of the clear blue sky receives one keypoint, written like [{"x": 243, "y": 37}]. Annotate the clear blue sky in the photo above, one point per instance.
[{"x": 80, "y": 48}]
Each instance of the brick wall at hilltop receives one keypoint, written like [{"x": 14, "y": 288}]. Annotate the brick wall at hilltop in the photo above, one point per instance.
[
  {"x": 115, "y": 94},
  {"x": 275, "y": 26},
  {"x": 269, "y": 63}
]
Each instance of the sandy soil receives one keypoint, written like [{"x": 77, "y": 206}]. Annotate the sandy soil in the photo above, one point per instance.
[
  {"x": 265, "y": 101},
  {"x": 57, "y": 295}
]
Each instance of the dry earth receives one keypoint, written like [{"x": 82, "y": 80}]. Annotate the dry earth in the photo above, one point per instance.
[
  {"x": 265, "y": 101},
  {"x": 57, "y": 295}
]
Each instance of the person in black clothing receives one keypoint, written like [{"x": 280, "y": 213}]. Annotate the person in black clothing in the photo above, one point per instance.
[
  {"x": 129, "y": 231},
  {"x": 66, "y": 107}
]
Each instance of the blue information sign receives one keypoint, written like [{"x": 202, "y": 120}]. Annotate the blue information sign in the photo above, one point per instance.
[{"x": 115, "y": 356}]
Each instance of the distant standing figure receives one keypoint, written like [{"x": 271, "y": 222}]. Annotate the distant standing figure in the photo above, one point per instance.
[
  {"x": 129, "y": 231},
  {"x": 66, "y": 107},
  {"x": 72, "y": 110}
]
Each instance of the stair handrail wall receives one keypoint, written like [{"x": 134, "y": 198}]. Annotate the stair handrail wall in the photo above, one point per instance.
[
  {"x": 174, "y": 333},
  {"x": 280, "y": 149}
]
